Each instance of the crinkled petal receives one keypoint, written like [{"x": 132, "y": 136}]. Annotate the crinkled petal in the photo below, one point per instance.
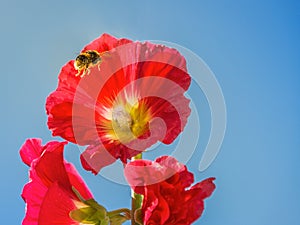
[
  {"x": 196, "y": 195},
  {"x": 67, "y": 81},
  {"x": 165, "y": 168},
  {"x": 105, "y": 42},
  {"x": 140, "y": 173},
  {"x": 206, "y": 187},
  {"x": 30, "y": 150},
  {"x": 174, "y": 167},
  {"x": 99, "y": 155},
  {"x": 156, "y": 209},
  {"x": 174, "y": 119},
  {"x": 96, "y": 157}
]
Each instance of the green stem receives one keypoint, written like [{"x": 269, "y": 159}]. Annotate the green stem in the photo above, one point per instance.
[
  {"x": 136, "y": 199},
  {"x": 124, "y": 211}
]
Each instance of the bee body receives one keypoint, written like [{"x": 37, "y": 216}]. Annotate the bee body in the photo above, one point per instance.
[{"x": 86, "y": 60}]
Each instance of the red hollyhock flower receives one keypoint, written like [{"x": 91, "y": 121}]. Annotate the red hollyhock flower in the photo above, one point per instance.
[
  {"x": 55, "y": 190},
  {"x": 165, "y": 183},
  {"x": 129, "y": 95}
]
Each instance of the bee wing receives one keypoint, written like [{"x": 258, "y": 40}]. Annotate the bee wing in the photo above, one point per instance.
[{"x": 105, "y": 54}]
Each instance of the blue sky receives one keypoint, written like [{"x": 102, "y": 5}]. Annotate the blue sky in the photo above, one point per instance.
[{"x": 251, "y": 46}]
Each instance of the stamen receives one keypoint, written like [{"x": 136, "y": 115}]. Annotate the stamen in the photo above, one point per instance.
[
  {"x": 121, "y": 118},
  {"x": 126, "y": 122}
]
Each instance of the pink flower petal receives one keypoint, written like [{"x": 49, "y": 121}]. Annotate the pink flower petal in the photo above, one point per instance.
[
  {"x": 31, "y": 149},
  {"x": 49, "y": 195},
  {"x": 56, "y": 207}
]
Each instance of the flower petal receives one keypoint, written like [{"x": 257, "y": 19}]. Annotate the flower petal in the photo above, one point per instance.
[
  {"x": 56, "y": 207},
  {"x": 63, "y": 116},
  {"x": 104, "y": 43},
  {"x": 206, "y": 187},
  {"x": 157, "y": 211},
  {"x": 174, "y": 167},
  {"x": 196, "y": 196},
  {"x": 96, "y": 157},
  {"x": 30, "y": 150},
  {"x": 50, "y": 167},
  {"x": 77, "y": 182},
  {"x": 33, "y": 194}
]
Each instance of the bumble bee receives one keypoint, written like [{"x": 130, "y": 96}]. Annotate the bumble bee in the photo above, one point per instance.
[{"x": 86, "y": 60}]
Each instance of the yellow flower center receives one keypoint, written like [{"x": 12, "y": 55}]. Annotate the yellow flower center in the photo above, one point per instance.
[{"x": 127, "y": 122}]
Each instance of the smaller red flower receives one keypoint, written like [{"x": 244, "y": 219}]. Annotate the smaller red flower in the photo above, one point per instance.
[
  {"x": 55, "y": 192},
  {"x": 165, "y": 183}
]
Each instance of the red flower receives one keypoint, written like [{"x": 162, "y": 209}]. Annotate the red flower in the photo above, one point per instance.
[
  {"x": 167, "y": 198},
  {"x": 51, "y": 194},
  {"x": 114, "y": 106}
]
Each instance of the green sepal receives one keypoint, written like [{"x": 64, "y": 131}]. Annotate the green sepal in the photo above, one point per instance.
[
  {"x": 118, "y": 220},
  {"x": 92, "y": 214},
  {"x": 91, "y": 202},
  {"x": 138, "y": 217},
  {"x": 119, "y": 216},
  {"x": 82, "y": 214},
  {"x": 96, "y": 214}
]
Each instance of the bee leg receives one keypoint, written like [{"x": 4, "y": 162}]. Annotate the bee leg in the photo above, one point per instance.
[
  {"x": 78, "y": 73},
  {"x": 84, "y": 72},
  {"x": 88, "y": 71}
]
